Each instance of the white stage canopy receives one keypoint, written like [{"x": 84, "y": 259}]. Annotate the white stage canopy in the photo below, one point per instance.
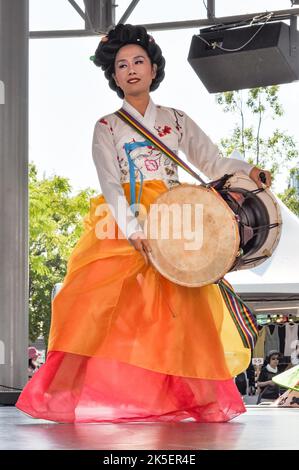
[{"x": 280, "y": 274}]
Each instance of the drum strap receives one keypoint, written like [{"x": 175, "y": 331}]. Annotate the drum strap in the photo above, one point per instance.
[{"x": 241, "y": 314}]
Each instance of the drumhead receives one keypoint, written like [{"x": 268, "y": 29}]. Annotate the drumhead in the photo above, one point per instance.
[{"x": 193, "y": 235}]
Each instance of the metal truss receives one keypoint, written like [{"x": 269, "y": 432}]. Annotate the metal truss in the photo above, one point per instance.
[{"x": 210, "y": 21}]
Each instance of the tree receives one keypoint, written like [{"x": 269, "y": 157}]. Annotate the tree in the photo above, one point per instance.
[
  {"x": 290, "y": 197},
  {"x": 55, "y": 226},
  {"x": 275, "y": 151}
]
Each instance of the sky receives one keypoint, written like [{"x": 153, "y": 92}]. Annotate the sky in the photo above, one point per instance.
[{"x": 68, "y": 94}]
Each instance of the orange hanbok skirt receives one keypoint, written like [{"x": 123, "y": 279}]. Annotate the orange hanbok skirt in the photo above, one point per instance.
[{"x": 126, "y": 344}]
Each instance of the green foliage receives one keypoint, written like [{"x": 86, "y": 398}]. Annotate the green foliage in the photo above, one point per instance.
[
  {"x": 273, "y": 152},
  {"x": 55, "y": 227},
  {"x": 290, "y": 198}
]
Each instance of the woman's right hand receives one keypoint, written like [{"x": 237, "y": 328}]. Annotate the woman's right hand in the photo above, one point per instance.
[{"x": 141, "y": 244}]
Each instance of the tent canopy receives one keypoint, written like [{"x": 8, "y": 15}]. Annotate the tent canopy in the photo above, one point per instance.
[{"x": 278, "y": 277}]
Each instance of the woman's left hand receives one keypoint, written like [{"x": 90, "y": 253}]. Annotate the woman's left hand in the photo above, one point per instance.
[{"x": 255, "y": 175}]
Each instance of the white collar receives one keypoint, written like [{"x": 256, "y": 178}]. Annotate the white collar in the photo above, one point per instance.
[
  {"x": 271, "y": 369},
  {"x": 149, "y": 118}
]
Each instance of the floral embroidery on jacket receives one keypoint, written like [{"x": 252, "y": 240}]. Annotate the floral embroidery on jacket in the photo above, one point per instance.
[
  {"x": 103, "y": 121},
  {"x": 166, "y": 130},
  {"x": 151, "y": 165},
  {"x": 178, "y": 126},
  {"x": 124, "y": 168},
  {"x": 149, "y": 161}
]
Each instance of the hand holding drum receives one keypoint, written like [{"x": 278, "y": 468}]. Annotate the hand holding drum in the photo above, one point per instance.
[{"x": 262, "y": 178}]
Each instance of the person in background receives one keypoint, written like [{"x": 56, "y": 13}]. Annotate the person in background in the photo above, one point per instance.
[
  {"x": 33, "y": 364},
  {"x": 245, "y": 381},
  {"x": 269, "y": 391}
]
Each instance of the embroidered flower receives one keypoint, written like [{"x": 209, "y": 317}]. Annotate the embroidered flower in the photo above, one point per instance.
[
  {"x": 151, "y": 165},
  {"x": 103, "y": 121},
  {"x": 164, "y": 131}
]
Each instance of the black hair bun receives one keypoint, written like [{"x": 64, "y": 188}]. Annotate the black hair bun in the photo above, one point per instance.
[{"x": 118, "y": 37}]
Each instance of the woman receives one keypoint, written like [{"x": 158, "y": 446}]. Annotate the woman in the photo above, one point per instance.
[
  {"x": 269, "y": 390},
  {"x": 33, "y": 364},
  {"x": 125, "y": 343}
]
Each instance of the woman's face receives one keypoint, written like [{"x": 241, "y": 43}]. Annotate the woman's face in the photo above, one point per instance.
[
  {"x": 274, "y": 360},
  {"x": 133, "y": 70}
]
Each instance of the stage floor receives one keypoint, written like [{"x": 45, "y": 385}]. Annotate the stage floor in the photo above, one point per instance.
[{"x": 260, "y": 428}]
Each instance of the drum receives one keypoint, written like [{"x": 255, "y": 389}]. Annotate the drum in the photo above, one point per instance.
[{"x": 198, "y": 234}]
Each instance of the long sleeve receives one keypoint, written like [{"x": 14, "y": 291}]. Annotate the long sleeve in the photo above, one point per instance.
[
  {"x": 104, "y": 157},
  {"x": 204, "y": 154}
]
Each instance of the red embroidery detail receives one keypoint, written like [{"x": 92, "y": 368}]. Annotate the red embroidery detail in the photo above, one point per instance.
[
  {"x": 103, "y": 121},
  {"x": 164, "y": 131}
]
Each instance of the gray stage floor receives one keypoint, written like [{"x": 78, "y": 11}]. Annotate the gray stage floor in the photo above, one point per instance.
[{"x": 259, "y": 428}]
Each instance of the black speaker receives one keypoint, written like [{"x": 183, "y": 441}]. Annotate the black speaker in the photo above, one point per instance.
[{"x": 266, "y": 60}]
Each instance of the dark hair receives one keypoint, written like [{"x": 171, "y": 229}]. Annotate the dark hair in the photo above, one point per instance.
[
  {"x": 270, "y": 354},
  {"x": 120, "y": 36}
]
